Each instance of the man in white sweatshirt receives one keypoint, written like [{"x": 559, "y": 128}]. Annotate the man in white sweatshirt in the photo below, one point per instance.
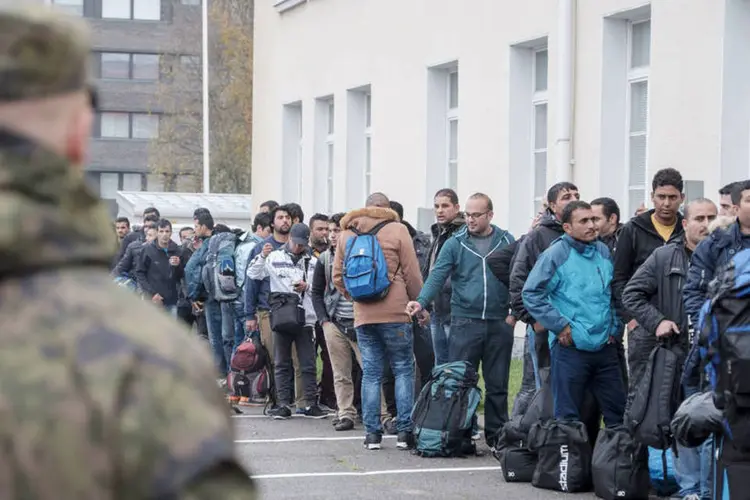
[{"x": 290, "y": 270}]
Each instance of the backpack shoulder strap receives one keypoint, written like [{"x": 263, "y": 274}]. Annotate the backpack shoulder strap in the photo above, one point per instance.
[{"x": 376, "y": 229}]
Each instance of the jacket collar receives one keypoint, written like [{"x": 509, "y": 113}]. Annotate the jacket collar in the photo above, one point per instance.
[
  {"x": 450, "y": 227},
  {"x": 585, "y": 249},
  {"x": 376, "y": 213},
  {"x": 48, "y": 217}
]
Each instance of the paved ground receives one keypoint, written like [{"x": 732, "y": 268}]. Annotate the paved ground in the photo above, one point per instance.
[{"x": 303, "y": 458}]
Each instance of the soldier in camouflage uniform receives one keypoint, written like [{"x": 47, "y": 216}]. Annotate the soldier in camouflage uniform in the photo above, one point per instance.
[{"x": 102, "y": 396}]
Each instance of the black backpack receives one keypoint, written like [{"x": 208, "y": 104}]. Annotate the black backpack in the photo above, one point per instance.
[
  {"x": 657, "y": 396},
  {"x": 619, "y": 466},
  {"x": 564, "y": 456}
]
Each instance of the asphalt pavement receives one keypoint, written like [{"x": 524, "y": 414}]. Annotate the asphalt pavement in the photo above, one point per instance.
[{"x": 304, "y": 458}]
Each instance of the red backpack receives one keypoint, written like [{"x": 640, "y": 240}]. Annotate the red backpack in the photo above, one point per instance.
[{"x": 250, "y": 356}]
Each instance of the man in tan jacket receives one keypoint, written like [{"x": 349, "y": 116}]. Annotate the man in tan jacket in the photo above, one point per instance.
[{"x": 383, "y": 327}]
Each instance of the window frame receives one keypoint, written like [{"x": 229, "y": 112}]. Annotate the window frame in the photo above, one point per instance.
[
  {"x": 70, "y": 9},
  {"x": 131, "y": 66},
  {"x": 131, "y": 121},
  {"x": 538, "y": 98},
  {"x": 131, "y": 9},
  {"x": 452, "y": 117},
  {"x": 330, "y": 141},
  {"x": 367, "y": 178},
  {"x": 636, "y": 75}
]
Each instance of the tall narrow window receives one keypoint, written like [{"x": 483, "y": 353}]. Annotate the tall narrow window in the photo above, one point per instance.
[
  {"x": 291, "y": 158},
  {"x": 639, "y": 59},
  {"x": 539, "y": 101},
  {"x": 329, "y": 156},
  {"x": 368, "y": 144},
  {"x": 451, "y": 177}
]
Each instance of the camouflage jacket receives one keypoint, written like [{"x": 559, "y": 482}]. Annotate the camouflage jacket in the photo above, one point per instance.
[{"x": 102, "y": 396}]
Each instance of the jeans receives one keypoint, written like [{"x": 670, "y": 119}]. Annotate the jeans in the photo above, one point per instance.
[
  {"x": 574, "y": 370},
  {"x": 707, "y": 468},
  {"x": 440, "y": 327},
  {"x": 238, "y": 307},
  {"x": 220, "y": 322},
  {"x": 687, "y": 469},
  {"x": 491, "y": 342},
  {"x": 378, "y": 342},
  {"x": 284, "y": 370}
]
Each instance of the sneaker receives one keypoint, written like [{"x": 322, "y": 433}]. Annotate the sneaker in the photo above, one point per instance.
[
  {"x": 327, "y": 409},
  {"x": 280, "y": 413},
  {"x": 335, "y": 421},
  {"x": 345, "y": 424},
  {"x": 692, "y": 497},
  {"x": 405, "y": 441},
  {"x": 314, "y": 412},
  {"x": 372, "y": 441},
  {"x": 300, "y": 411},
  {"x": 389, "y": 426},
  {"x": 476, "y": 436}
]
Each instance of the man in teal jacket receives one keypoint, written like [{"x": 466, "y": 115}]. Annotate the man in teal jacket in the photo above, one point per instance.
[
  {"x": 569, "y": 292},
  {"x": 479, "y": 306}
]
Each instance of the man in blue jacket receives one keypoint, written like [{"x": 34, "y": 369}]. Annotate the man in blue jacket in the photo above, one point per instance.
[
  {"x": 479, "y": 306},
  {"x": 569, "y": 291}
]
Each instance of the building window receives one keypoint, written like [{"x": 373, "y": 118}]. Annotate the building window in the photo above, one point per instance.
[
  {"x": 293, "y": 142},
  {"x": 368, "y": 144},
  {"x": 74, "y": 7},
  {"x": 451, "y": 175},
  {"x": 330, "y": 157},
  {"x": 639, "y": 47},
  {"x": 190, "y": 2},
  {"x": 107, "y": 184},
  {"x": 324, "y": 157},
  {"x": 132, "y": 182},
  {"x": 124, "y": 66},
  {"x": 129, "y": 125},
  {"x": 539, "y": 101},
  {"x": 145, "y": 10}
]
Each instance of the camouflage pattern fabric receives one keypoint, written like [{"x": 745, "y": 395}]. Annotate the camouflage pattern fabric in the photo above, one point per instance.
[{"x": 102, "y": 396}]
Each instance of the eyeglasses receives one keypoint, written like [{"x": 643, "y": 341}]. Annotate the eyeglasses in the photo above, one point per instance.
[{"x": 476, "y": 215}]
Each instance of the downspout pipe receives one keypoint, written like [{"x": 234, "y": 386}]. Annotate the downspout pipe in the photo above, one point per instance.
[{"x": 565, "y": 62}]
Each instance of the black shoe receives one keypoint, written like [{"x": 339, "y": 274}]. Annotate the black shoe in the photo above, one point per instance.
[
  {"x": 345, "y": 424},
  {"x": 335, "y": 421},
  {"x": 314, "y": 412},
  {"x": 280, "y": 413},
  {"x": 389, "y": 426},
  {"x": 372, "y": 441},
  {"x": 405, "y": 441}
]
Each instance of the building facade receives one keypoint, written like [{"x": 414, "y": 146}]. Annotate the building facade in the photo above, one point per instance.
[
  {"x": 137, "y": 44},
  {"x": 502, "y": 97}
]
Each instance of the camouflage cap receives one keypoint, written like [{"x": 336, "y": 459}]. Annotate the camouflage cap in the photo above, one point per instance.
[{"x": 43, "y": 53}]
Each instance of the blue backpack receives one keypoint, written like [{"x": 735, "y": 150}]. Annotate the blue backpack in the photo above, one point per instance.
[
  {"x": 365, "y": 269},
  {"x": 724, "y": 328},
  {"x": 444, "y": 412},
  {"x": 218, "y": 268}
]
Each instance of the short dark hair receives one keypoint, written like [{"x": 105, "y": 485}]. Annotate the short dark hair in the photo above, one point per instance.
[
  {"x": 263, "y": 220},
  {"x": 221, "y": 228},
  {"x": 200, "y": 210},
  {"x": 151, "y": 218},
  {"x": 398, "y": 208},
  {"x": 447, "y": 193},
  {"x": 318, "y": 218},
  {"x": 336, "y": 218},
  {"x": 164, "y": 223},
  {"x": 571, "y": 207},
  {"x": 727, "y": 190},
  {"x": 280, "y": 208},
  {"x": 295, "y": 211},
  {"x": 270, "y": 204},
  {"x": 122, "y": 219},
  {"x": 554, "y": 191},
  {"x": 738, "y": 189},
  {"x": 151, "y": 210},
  {"x": 667, "y": 177},
  {"x": 185, "y": 228},
  {"x": 204, "y": 218},
  {"x": 609, "y": 207},
  {"x": 149, "y": 224},
  {"x": 482, "y": 196}
]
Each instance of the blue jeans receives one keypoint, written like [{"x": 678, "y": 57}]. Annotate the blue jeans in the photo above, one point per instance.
[
  {"x": 238, "y": 307},
  {"x": 440, "y": 327},
  {"x": 220, "y": 322},
  {"x": 574, "y": 370},
  {"x": 378, "y": 342},
  {"x": 687, "y": 470},
  {"x": 531, "y": 341}
]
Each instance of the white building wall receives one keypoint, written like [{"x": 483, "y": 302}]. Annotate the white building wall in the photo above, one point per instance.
[{"x": 323, "y": 48}]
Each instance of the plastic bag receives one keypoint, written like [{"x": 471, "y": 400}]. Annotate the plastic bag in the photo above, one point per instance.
[{"x": 696, "y": 419}]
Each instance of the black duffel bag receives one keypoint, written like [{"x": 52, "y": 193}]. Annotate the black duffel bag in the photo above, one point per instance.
[
  {"x": 564, "y": 456},
  {"x": 518, "y": 464},
  {"x": 696, "y": 420},
  {"x": 287, "y": 312},
  {"x": 620, "y": 466}
]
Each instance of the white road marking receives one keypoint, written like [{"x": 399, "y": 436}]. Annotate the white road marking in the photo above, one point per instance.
[
  {"x": 376, "y": 472},
  {"x": 301, "y": 439}
]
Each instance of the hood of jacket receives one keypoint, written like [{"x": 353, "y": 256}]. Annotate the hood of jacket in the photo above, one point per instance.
[
  {"x": 364, "y": 219},
  {"x": 48, "y": 217},
  {"x": 549, "y": 220},
  {"x": 450, "y": 227},
  {"x": 410, "y": 228},
  {"x": 644, "y": 223}
]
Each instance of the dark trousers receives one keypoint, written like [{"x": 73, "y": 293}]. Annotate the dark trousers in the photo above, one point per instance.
[
  {"x": 284, "y": 370},
  {"x": 528, "y": 384},
  {"x": 185, "y": 314},
  {"x": 425, "y": 360},
  {"x": 202, "y": 326},
  {"x": 326, "y": 392},
  {"x": 491, "y": 342},
  {"x": 573, "y": 371},
  {"x": 541, "y": 346}
]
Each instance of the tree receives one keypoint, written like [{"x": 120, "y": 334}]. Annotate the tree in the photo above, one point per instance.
[{"x": 176, "y": 156}]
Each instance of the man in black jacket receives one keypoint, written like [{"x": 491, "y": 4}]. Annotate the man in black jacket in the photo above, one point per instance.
[
  {"x": 638, "y": 240},
  {"x": 654, "y": 297},
  {"x": 529, "y": 250},
  {"x": 151, "y": 214},
  {"x": 607, "y": 220},
  {"x": 160, "y": 268},
  {"x": 128, "y": 265},
  {"x": 449, "y": 219}
]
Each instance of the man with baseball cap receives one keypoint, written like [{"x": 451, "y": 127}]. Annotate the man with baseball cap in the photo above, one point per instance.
[
  {"x": 290, "y": 271},
  {"x": 76, "y": 351}
]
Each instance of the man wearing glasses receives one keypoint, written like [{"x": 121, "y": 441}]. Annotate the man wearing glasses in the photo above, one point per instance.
[{"x": 479, "y": 306}]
